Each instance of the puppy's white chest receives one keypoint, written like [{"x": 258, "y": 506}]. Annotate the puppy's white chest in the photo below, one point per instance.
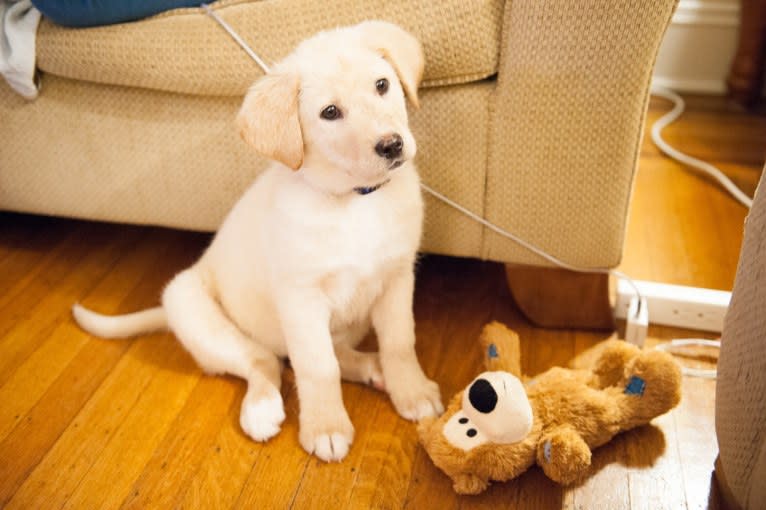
[
  {"x": 350, "y": 294},
  {"x": 362, "y": 266}
]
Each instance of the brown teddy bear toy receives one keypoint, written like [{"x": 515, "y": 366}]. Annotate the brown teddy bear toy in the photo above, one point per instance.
[{"x": 498, "y": 427}]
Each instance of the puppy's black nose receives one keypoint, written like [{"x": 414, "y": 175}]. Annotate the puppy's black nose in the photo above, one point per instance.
[
  {"x": 390, "y": 146},
  {"x": 482, "y": 396}
]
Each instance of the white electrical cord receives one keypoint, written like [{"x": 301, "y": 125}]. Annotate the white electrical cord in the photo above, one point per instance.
[
  {"x": 675, "y": 347},
  {"x": 550, "y": 258},
  {"x": 702, "y": 166},
  {"x": 210, "y": 12},
  {"x": 436, "y": 194}
]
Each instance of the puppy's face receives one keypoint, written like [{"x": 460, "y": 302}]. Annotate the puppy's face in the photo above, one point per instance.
[
  {"x": 335, "y": 108},
  {"x": 354, "y": 119}
]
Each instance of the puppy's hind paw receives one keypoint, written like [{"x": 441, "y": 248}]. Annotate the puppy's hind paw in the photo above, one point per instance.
[{"x": 361, "y": 367}]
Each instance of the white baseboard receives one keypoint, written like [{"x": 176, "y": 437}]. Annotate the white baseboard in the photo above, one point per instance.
[
  {"x": 712, "y": 87},
  {"x": 707, "y": 12},
  {"x": 696, "y": 54}
]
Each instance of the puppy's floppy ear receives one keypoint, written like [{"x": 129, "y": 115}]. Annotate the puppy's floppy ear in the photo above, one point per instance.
[
  {"x": 268, "y": 119},
  {"x": 400, "y": 48}
]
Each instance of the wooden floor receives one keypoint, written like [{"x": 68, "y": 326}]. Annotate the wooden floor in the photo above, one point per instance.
[{"x": 88, "y": 423}]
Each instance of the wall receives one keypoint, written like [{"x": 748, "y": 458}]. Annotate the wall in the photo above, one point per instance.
[{"x": 698, "y": 47}]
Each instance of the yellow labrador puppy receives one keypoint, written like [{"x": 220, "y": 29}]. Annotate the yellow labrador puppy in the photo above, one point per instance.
[{"x": 319, "y": 249}]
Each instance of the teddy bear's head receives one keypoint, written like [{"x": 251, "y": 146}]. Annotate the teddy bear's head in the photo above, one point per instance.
[
  {"x": 494, "y": 408},
  {"x": 487, "y": 430}
]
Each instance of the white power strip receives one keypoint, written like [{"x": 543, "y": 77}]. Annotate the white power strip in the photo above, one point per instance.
[{"x": 676, "y": 305}]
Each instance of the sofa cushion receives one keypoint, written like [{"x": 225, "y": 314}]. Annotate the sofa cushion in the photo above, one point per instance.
[{"x": 185, "y": 51}]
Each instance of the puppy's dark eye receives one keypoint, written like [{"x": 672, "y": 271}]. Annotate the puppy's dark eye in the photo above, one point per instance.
[
  {"x": 381, "y": 86},
  {"x": 331, "y": 112}
]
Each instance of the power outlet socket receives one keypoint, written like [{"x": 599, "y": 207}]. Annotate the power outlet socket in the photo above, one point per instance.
[{"x": 676, "y": 305}]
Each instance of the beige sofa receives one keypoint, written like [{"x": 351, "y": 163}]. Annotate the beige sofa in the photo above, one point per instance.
[
  {"x": 740, "y": 401},
  {"x": 531, "y": 115}
]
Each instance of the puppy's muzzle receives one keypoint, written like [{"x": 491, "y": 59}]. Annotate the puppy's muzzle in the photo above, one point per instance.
[{"x": 390, "y": 146}]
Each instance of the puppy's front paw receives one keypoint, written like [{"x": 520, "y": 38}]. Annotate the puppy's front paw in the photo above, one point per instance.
[
  {"x": 261, "y": 418},
  {"x": 329, "y": 438},
  {"x": 416, "y": 398}
]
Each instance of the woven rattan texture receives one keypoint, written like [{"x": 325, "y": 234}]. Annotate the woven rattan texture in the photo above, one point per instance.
[
  {"x": 451, "y": 131},
  {"x": 740, "y": 413},
  {"x": 141, "y": 156},
  {"x": 567, "y": 124},
  {"x": 186, "y": 51},
  {"x": 123, "y": 154}
]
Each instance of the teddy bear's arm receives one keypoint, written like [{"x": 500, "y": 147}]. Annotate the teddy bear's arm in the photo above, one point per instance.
[
  {"x": 467, "y": 483},
  {"x": 563, "y": 454}
]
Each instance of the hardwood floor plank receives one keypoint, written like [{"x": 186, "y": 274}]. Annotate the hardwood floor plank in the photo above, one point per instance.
[
  {"x": 281, "y": 464},
  {"x": 40, "y": 241},
  {"x": 27, "y": 230},
  {"x": 55, "y": 445},
  {"x": 654, "y": 480},
  {"x": 397, "y": 469},
  {"x": 189, "y": 438},
  {"x": 108, "y": 481},
  {"x": 607, "y": 484},
  {"x": 382, "y": 474},
  {"x": 222, "y": 473},
  {"x": 531, "y": 490},
  {"x": 429, "y": 487},
  {"x": 80, "y": 379},
  {"x": 695, "y": 431},
  {"x": 30, "y": 379},
  {"x": 712, "y": 134},
  {"x": 329, "y": 485},
  {"x": 44, "y": 275},
  {"x": 34, "y": 319}
]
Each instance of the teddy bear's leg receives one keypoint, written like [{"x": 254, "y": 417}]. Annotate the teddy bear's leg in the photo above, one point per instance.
[
  {"x": 609, "y": 367},
  {"x": 467, "y": 483},
  {"x": 563, "y": 454},
  {"x": 651, "y": 387}
]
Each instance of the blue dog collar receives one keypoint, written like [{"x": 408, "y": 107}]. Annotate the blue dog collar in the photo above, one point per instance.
[{"x": 367, "y": 191}]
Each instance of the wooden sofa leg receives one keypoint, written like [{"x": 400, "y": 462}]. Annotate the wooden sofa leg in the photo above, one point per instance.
[{"x": 557, "y": 298}]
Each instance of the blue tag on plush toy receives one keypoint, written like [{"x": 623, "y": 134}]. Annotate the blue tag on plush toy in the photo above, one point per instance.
[{"x": 635, "y": 386}]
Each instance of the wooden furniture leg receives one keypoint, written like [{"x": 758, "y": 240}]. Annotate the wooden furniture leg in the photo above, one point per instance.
[
  {"x": 745, "y": 80},
  {"x": 557, "y": 298}
]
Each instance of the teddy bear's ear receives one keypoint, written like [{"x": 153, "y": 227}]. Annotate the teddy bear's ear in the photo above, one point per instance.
[{"x": 502, "y": 349}]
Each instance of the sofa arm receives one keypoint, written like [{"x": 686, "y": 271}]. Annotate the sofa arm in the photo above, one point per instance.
[
  {"x": 740, "y": 400},
  {"x": 567, "y": 119}
]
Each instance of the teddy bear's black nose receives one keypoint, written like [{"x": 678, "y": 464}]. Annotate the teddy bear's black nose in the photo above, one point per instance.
[{"x": 482, "y": 396}]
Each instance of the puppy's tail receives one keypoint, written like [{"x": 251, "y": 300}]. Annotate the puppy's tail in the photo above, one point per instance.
[{"x": 120, "y": 326}]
